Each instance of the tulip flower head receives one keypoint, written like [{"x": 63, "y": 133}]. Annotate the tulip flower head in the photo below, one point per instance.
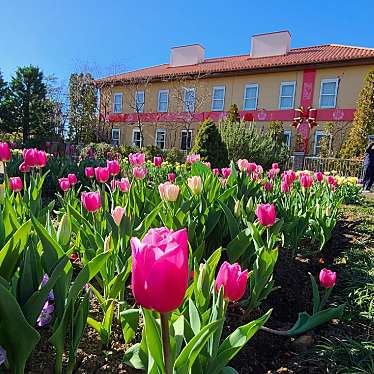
[
  {"x": 123, "y": 184},
  {"x": 113, "y": 166},
  {"x": 102, "y": 174},
  {"x": 64, "y": 184},
  {"x": 243, "y": 164},
  {"x": 319, "y": 176},
  {"x": 215, "y": 171},
  {"x": 139, "y": 172},
  {"x": 207, "y": 164},
  {"x": 285, "y": 188},
  {"x": 72, "y": 178},
  {"x": 89, "y": 172},
  {"x": 168, "y": 191},
  {"x": 34, "y": 158},
  {"x": 15, "y": 184},
  {"x": 157, "y": 161},
  {"x": 195, "y": 184},
  {"x": 327, "y": 278},
  {"x": 306, "y": 180},
  {"x": 136, "y": 159},
  {"x": 45, "y": 316},
  {"x": 5, "y": 154},
  {"x": 159, "y": 278},
  {"x": 24, "y": 168},
  {"x": 171, "y": 177},
  {"x": 117, "y": 214},
  {"x": 266, "y": 214},
  {"x": 191, "y": 159},
  {"x": 251, "y": 168},
  {"x": 226, "y": 172},
  {"x": 233, "y": 280},
  {"x": 268, "y": 186},
  {"x": 91, "y": 201}
]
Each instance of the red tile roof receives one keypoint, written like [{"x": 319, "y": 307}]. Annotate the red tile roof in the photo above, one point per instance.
[{"x": 322, "y": 54}]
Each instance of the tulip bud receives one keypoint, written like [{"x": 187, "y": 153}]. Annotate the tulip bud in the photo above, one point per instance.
[
  {"x": 237, "y": 210},
  {"x": 15, "y": 184},
  {"x": 215, "y": 171},
  {"x": 195, "y": 184},
  {"x": 89, "y": 172},
  {"x": 114, "y": 167},
  {"x": 157, "y": 161},
  {"x": 117, "y": 214},
  {"x": 64, "y": 184},
  {"x": 201, "y": 280},
  {"x": 171, "y": 177},
  {"x": 226, "y": 172},
  {"x": 5, "y": 154},
  {"x": 233, "y": 280},
  {"x": 72, "y": 179},
  {"x": 107, "y": 243},
  {"x": 327, "y": 278},
  {"x": 102, "y": 174}
]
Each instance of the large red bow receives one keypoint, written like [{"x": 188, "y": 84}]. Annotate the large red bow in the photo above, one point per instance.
[{"x": 309, "y": 115}]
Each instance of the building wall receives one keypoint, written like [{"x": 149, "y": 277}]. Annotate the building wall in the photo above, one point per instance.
[{"x": 351, "y": 79}]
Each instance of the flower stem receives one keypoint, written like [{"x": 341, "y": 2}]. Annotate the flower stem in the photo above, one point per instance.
[{"x": 166, "y": 341}]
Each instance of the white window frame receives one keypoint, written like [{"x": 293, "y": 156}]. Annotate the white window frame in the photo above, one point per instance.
[
  {"x": 116, "y": 141},
  {"x": 332, "y": 80},
  {"x": 137, "y": 109},
  {"x": 288, "y": 135},
  {"x": 250, "y": 85},
  {"x": 160, "y": 131},
  {"x": 289, "y": 83},
  {"x": 118, "y": 94},
  {"x": 160, "y": 92},
  {"x": 136, "y": 130},
  {"x": 185, "y": 108},
  {"x": 216, "y": 88},
  {"x": 321, "y": 133},
  {"x": 184, "y": 131}
]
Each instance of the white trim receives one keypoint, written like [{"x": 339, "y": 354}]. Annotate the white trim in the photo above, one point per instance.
[
  {"x": 167, "y": 101},
  {"x": 251, "y": 85},
  {"x": 184, "y": 131},
  {"x": 118, "y": 94},
  {"x": 136, "y": 130},
  {"x": 136, "y": 101},
  {"x": 119, "y": 136},
  {"x": 288, "y": 134},
  {"x": 164, "y": 132},
  {"x": 289, "y": 83},
  {"x": 216, "y": 88},
  {"x": 333, "y": 80},
  {"x": 186, "y": 89}
]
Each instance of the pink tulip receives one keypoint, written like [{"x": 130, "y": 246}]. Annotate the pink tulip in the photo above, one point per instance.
[
  {"x": 72, "y": 179},
  {"x": 266, "y": 214},
  {"x": 285, "y": 188},
  {"x": 233, "y": 280},
  {"x": 306, "y": 180},
  {"x": 168, "y": 191},
  {"x": 275, "y": 165},
  {"x": 34, "y": 158},
  {"x": 117, "y": 214},
  {"x": 113, "y": 166},
  {"x": 136, "y": 159},
  {"x": 259, "y": 169},
  {"x": 24, "y": 168},
  {"x": 157, "y": 161},
  {"x": 123, "y": 185},
  {"x": 289, "y": 177},
  {"x": 15, "y": 184},
  {"x": 251, "y": 167},
  {"x": 207, "y": 164},
  {"x": 327, "y": 278},
  {"x": 268, "y": 186},
  {"x": 64, "y": 184},
  {"x": 226, "y": 172},
  {"x": 91, "y": 201},
  {"x": 5, "y": 154},
  {"x": 191, "y": 159},
  {"x": 195, "y": 184},
  {"x": 243, "y": 164},
  {"x": 160, "y": 273},
  {"x": 102, "y": 174},
  {"x": 89, "y": 172},
  {"x": 215, "y": 171},
  {"x": 319, "y": 176},
  {"x": 332, "y": 181},
  {"x": 139, "y": 172},
  {"x": 171, "y": 177}
]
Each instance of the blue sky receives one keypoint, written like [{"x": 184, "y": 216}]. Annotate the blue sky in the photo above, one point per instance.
[{"x": 62, "y": 36}]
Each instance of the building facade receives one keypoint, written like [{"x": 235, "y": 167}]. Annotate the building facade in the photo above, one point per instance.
[{"x": 164, "y": 105}]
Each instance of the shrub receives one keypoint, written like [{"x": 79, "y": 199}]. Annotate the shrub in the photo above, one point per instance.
[
  {"x": 209, "y": 145},
  {"x": 174, "y": 155}
]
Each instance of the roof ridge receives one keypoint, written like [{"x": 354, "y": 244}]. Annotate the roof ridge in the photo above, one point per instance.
[{"x": 351, "y": 46}]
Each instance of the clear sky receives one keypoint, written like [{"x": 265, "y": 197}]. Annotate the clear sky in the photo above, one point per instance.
[{"x": 62, "y": 36}]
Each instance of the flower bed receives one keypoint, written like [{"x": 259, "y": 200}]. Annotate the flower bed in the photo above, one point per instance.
[{"x": 165, "y": 251}]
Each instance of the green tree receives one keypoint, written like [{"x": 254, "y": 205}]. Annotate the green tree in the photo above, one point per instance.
[
  {"x": 30, "y": 107},
  {"x": 363, "y": 122},
  {"x": 82, "y": 108},
  {"x": 209, "y": 145},
  {"x": 233, "y": 114},
  {"x": 4, "y": 104}
]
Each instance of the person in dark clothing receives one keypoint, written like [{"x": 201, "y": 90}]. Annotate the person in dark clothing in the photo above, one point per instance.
[{"x": 369, "y": 167}]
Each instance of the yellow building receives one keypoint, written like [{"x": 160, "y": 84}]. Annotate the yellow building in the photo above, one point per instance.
[{"x": 164, "y": 104}]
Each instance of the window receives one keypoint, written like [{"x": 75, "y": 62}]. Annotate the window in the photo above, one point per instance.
[
  {"x": 250, "y": 97},
  {"x": 163, "y": 101},
  {"x": 186, "y": 140},
  {"x": 218, "y": 98},
  {"x": 328, "y": 93},
  {"x": 117, "y": 103},
  {"x": 189, "y": 99},
  {"x": 139, "y": 101},
  {"x": 287, "y": 137},
  {"x": 287, "y": 95},
  {"x": 116, "y": 137},
  {"x": 137, "y": 138},
  {"x": 318, "y": 141},
  {"x": 160, "y": 138}
]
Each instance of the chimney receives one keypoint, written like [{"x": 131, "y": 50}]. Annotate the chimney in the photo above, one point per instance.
[
  {"x": 187, "y": 55},
  {"x": 270, "y": 44}
]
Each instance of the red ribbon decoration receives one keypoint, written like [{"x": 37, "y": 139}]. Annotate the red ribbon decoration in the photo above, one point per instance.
[{"x": 309, "y": 115}]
